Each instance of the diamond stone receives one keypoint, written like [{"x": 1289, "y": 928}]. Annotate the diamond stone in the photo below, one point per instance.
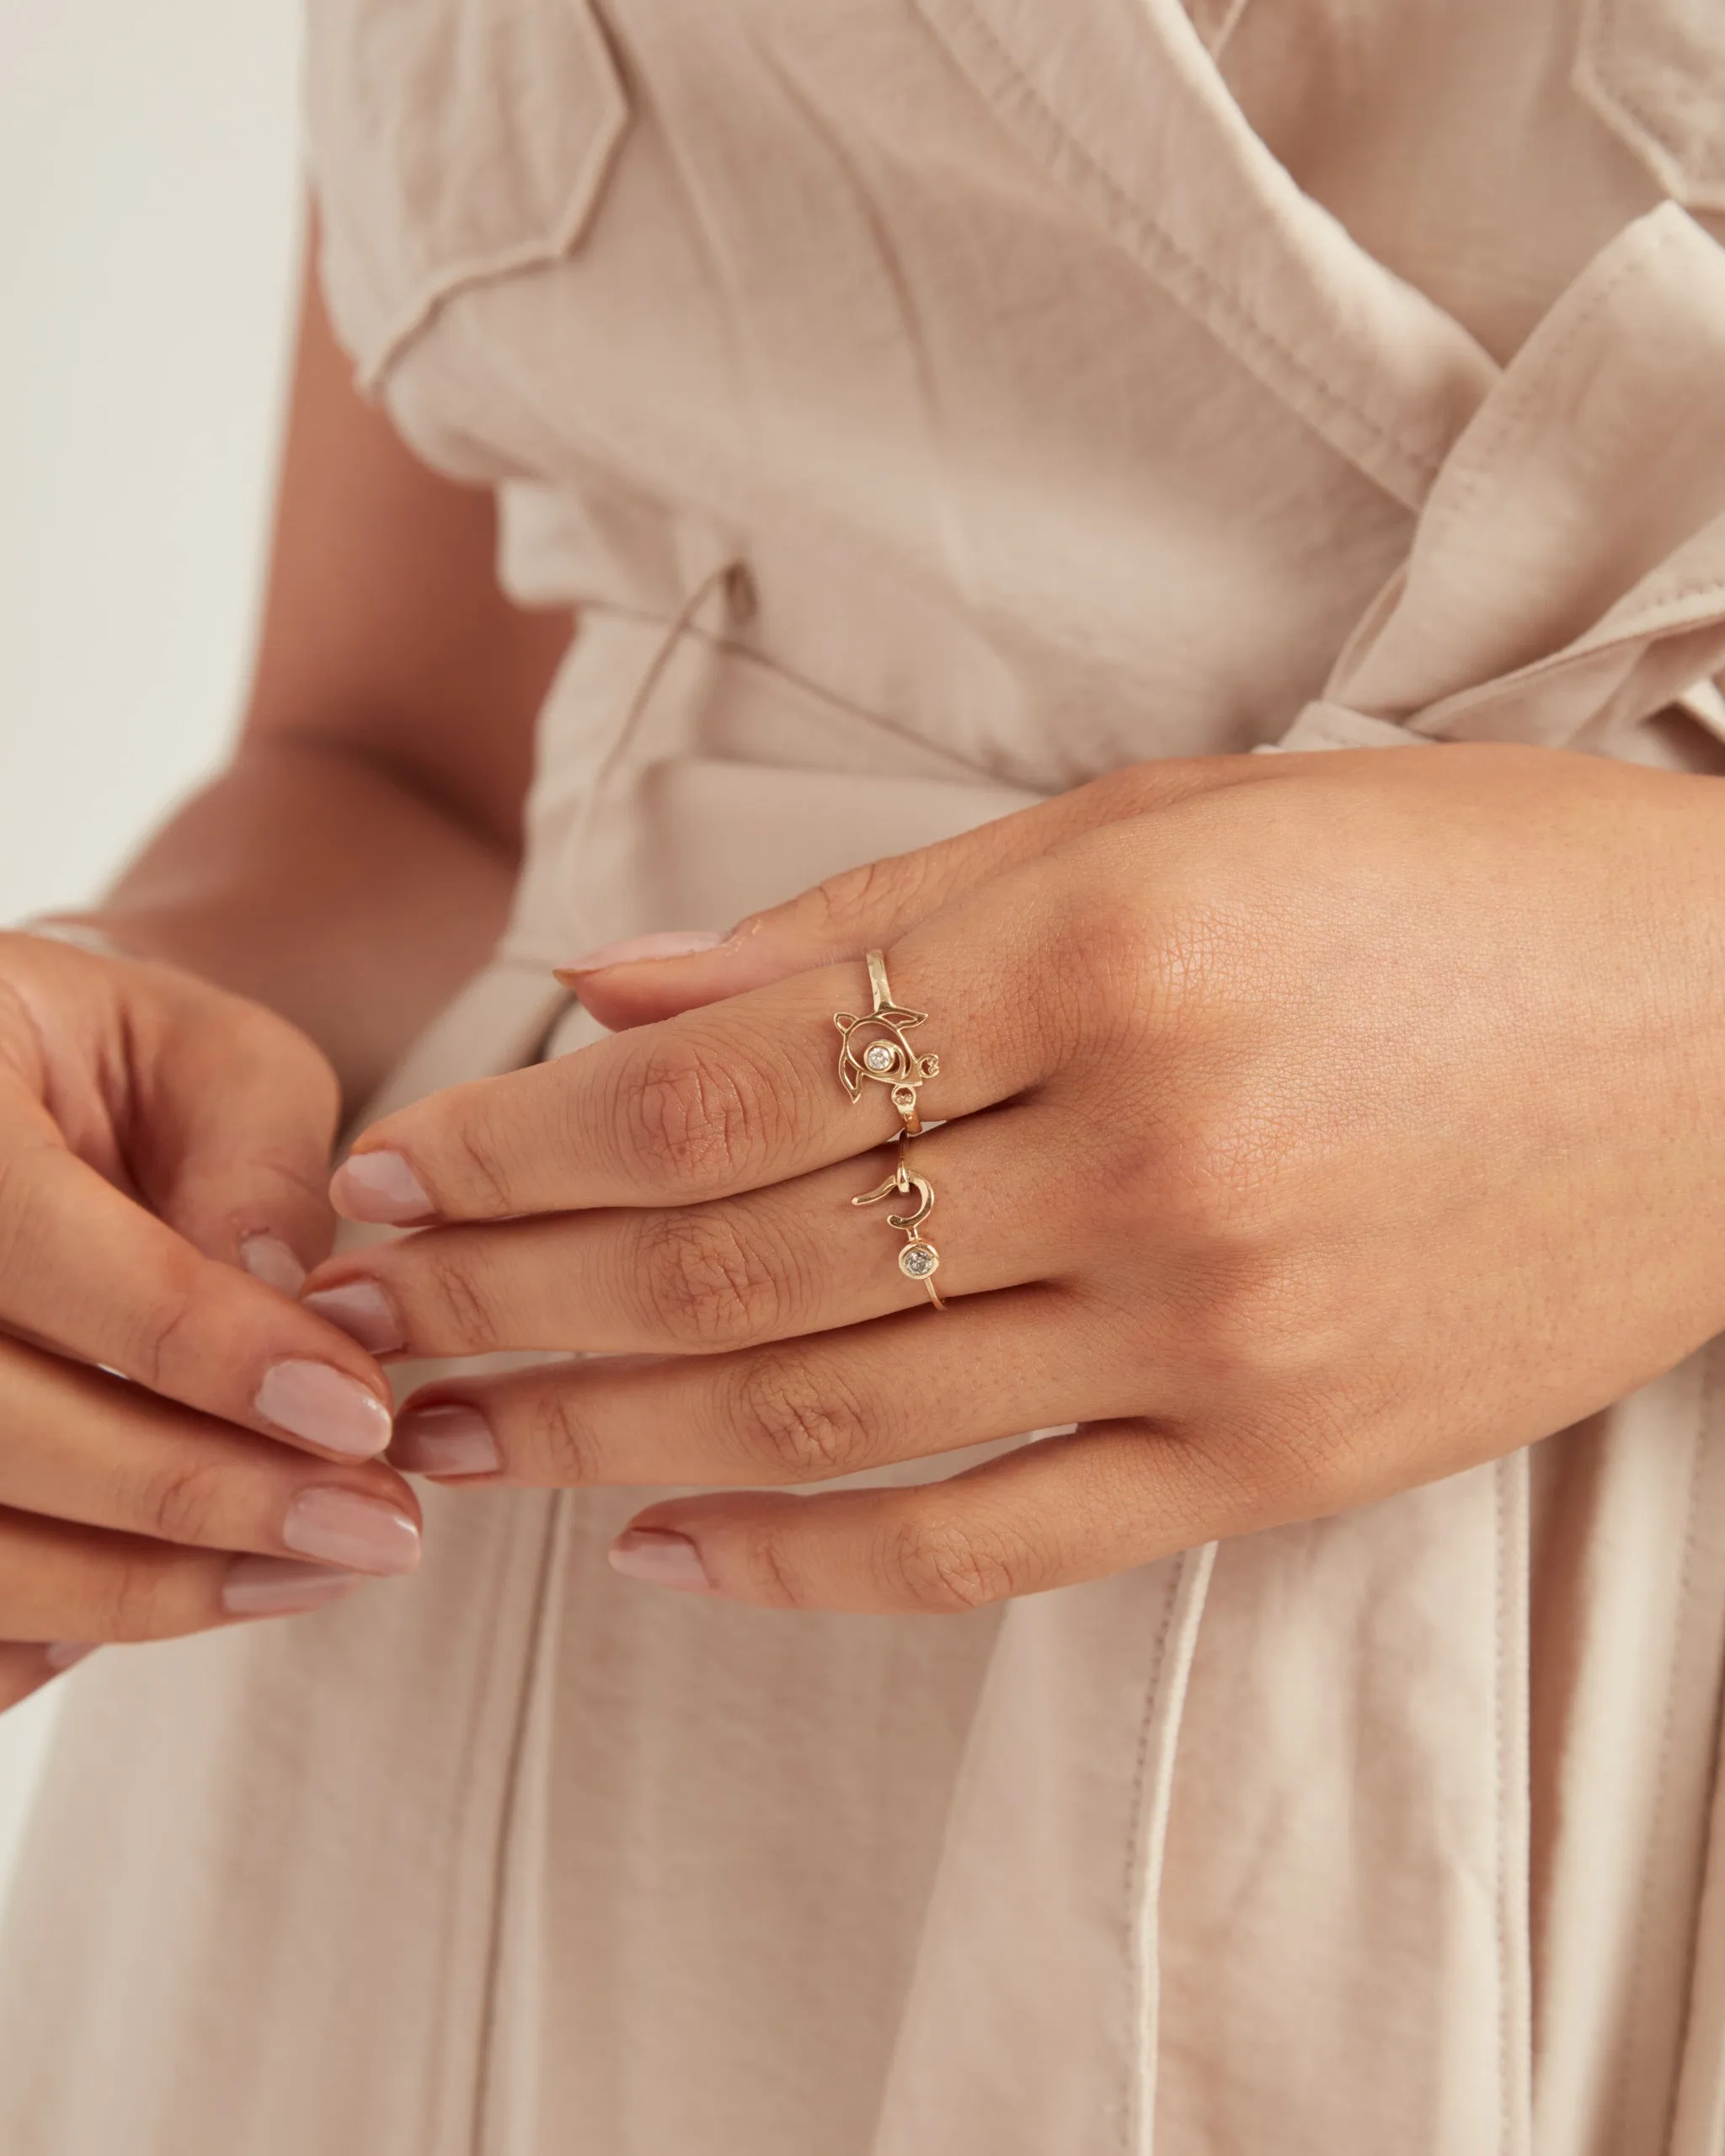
[
  {"x": 879, "y": 1057},
  {"x": 919, "y": 1260}
]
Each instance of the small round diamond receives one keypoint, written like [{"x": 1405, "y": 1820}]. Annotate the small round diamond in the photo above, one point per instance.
[
  {"x": 919, "y": 1260},
  {"x": 879, "y": 1057}
]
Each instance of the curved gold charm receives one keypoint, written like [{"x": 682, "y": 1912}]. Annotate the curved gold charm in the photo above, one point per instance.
[
  {"x": 919, "y": 1260},
  {"x": 883, "y": 1052}
]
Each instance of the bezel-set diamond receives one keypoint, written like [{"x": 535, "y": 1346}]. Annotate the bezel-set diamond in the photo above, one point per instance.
[
  {"x": 916, "y": 1261},
  {"x": 879, "y": 1056}
]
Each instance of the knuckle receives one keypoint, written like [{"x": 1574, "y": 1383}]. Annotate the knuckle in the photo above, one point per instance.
[
  {"x": 457, "y": 1311},
  {"x": 184, "y": 1502},
  {"x": 877, "y": 889},
  {"x": 136, "y": 1599},
  {"x": 704, "y": 1282},
  {"x": 944, "y": 1568},
  {"x": 481, "y": 1160},
  {"x": 699, "y": 1118},
  {"x": 1222, "y": 1179},
  {"x": 168, "y": 1317},
  {"x": 761, "y": 1558},
  {"x": 561, "y": 1450},
  {"x": 798, "y": 1418}
]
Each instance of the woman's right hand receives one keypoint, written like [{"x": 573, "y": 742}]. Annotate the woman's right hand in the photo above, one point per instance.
[{"x": 182, "y": 1445}]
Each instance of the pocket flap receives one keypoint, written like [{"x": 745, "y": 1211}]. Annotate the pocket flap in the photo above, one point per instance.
[{"x": 453, "y": 140}]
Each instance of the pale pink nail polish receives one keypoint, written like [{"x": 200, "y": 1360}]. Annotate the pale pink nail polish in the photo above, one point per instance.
[
  {"x": 380, "y": 1186},
  {"x": 280, "y": 1587},
  {"x": 269, "y": 1259},
  {"x": 363, "y": 1311},
  {"x": 446, "y": 1439},
  {"x": 359, "y": 1534},
  {"x": 668, "y": 943},
  {"x": 325, "y": 1406},
  {"x": 64, "y": 1654},
  {"x": 662, "y": 1558}
]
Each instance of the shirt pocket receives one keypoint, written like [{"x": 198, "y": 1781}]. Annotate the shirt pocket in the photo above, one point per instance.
[
  {"x": 451, "y": 142},
  {"x": 1654, "y": 71}
]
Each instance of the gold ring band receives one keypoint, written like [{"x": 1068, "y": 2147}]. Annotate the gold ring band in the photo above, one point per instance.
[{"x": 885, "y": 1055}]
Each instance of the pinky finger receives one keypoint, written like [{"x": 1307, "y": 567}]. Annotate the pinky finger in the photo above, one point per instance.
[{"x": 1057, "y": 1511}]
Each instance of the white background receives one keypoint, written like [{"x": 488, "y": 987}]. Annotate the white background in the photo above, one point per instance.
[{"x": 148, "y": 244}]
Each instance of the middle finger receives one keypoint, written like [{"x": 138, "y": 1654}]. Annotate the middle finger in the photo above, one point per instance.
[
  {"x": 728, "y": 1097},
  {"x": 800, "y": 1256}
]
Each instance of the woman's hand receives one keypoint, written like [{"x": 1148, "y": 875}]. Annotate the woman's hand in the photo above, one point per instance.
[
  {"x": 157, "y": 1136},
  {"x": 1316, "y": 1126}
]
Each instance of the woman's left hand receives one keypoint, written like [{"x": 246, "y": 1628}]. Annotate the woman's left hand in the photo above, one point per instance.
[{"x": 1315, "y": 1126}]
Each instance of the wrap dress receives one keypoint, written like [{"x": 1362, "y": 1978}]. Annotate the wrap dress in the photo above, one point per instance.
[{"x": 930, "y": 405}]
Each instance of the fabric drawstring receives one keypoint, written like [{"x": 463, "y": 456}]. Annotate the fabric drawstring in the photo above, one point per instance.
[
  {"x": 491, "y": 2129},
  {"x": 732, "y": 576},
  {"x": 1155, "y": 1783}
]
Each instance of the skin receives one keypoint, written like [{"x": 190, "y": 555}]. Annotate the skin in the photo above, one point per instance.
[
  {"x": 1313, "y": 1127},
  {"x": 168, "y": 1121},
  {"x": 1316, "y": 1126}
]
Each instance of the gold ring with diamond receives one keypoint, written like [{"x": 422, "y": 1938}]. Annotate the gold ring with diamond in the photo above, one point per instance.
[
  {"x": 883, "y": 1054},
  {"x": 919, "y": 1260},
  {"x": 875, "y": 1047}
]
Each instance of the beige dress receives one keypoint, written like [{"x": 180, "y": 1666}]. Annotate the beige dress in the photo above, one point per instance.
[{"x": 932, "y": 404}]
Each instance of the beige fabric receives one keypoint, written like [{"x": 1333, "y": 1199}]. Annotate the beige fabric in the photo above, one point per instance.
[{"x": 1076, "y": 384}]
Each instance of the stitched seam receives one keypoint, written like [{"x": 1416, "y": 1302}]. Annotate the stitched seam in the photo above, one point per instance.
[
  {"x": 1692, "y": 176},
  {"x": 1226, "y": 303},
  {"x": 507, "y": 1820},
  {"x": 1131, "y": 2121},
  {"x": 1710, "y": 1388},
  {"x": 1625, "y": 2046},
  {"x": 1501, "y": 1780},
  {"x": 586, "y": 193},
  {"x": 1502, "y": 416}
]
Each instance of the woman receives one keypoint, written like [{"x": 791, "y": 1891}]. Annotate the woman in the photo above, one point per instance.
[{"x": 964, "y": 429}]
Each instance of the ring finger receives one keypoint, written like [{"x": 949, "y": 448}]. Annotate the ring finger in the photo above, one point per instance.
[{"x": 900, "y": 1388}]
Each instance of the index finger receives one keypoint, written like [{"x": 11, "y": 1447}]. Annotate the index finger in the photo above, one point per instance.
[
  {"x": 728, "y": 1097},
  {"x": 89, "y": 1272}
]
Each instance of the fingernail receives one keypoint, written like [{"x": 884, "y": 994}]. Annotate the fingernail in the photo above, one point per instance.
[
  {"x": 363, "y": 1312},
  {"x": 445, "y": 1439},
  {"x": 668, "y": 943},
  {"x": 361, "y": 1535},
  {"x": 325, "y": 1406},
  {"x": 380, "y": 1186},
  {"x": 63, "y": 1653},
  {"x": 649, "y": 1553},
  {"x": 269, "y": 1259},
  {"x": 277, "y": 1586}
]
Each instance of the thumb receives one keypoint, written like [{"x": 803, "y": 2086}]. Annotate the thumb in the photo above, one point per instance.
[
  {"x": 654, "y": 977},
  {"x": 234, "y": 1121}
]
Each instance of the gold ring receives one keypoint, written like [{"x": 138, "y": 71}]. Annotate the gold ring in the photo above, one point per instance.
[{"x": 888, "y": 1059}]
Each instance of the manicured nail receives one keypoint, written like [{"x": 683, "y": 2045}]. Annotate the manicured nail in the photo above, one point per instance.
[
  {"x": 63, "y": 1653},
  {"x": 278, "y": 1586},
  {"x": 380, "y": 1186},
  {"x": 269, "y": 1259},
  {"x": 360, "y": 1534},
  {"x": 447, "y": 1438},
  {"x": 363, "y": 1312},
  {"x": 649, "y": 1553},
  {"x": 325, "y": 1406},
  {"x": 668, "y": 943}
]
